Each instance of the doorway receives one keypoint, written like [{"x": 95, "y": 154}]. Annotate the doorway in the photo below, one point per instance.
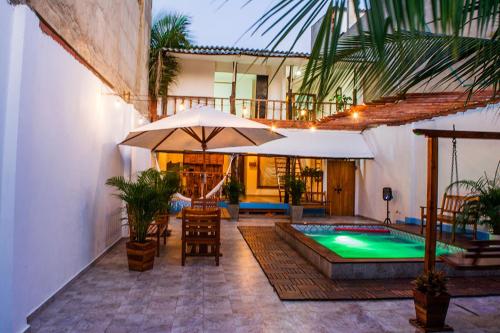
[{"x": 341, "y": 187}]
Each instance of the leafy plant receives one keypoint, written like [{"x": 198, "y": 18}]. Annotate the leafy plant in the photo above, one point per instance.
[
  {"x": 483, "y": 201},
  {"x": 233, "y": 189},
  {"x": 433, "y": 283},
  {"x": 342, "y": 102},
  {"x": 143, "y": 204},
  {"x": 295, "y": 188},
  {"x": 394, "y": 45},
  {"x": 168, "y": 31},
  {"x": 166, "y": 184}
]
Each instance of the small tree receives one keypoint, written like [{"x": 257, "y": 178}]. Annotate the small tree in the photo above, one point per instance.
[{"x": 168, "y": 31}]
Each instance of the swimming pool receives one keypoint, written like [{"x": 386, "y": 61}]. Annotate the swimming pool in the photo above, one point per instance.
[
  {"x": 370, "y": 242},
  {"x": 366, "y": 251}
]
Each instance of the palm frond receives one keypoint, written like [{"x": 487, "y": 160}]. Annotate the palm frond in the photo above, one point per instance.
[
  {"x": 169, "y": 30},
  {"x": 402, "y": 43}
]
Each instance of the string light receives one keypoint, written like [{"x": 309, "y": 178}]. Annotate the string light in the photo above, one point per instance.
[
  {"x": 355, "y": 114},
  {"x": 298, "y": 72},
  {"x": 312, "y": 128},
  {"x": 182, "y": 107},
  {"x": 273, "y": 127},
  {"x": 303, "y": 112}
]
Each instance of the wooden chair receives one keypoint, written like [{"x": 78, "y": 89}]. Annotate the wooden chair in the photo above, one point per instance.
[
  {"x": 200, "y": 228},
  {"x": 204, "y": 203},
  {"x": 479, "y": 255},
  {"x": 451, "y": 206}
]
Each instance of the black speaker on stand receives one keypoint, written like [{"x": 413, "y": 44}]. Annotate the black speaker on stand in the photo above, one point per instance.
[{"x": 387, "y": 196}]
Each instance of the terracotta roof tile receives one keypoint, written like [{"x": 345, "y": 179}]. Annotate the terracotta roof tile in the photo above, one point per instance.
[{"x": 225, "y": 50}]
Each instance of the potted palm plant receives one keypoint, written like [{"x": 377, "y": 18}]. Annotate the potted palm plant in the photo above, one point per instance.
[
  {"x": 233, "y": 189},
  {"x": 483, "y": 201},
  {"x": 143, "y": 205},
  {"x": 295, "y": 188},
  {"x": 431, "y": 299}
]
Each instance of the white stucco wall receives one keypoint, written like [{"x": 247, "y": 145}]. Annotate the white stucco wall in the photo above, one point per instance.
[
  {"x": 196, "y": 78},
  {"x": 401, "y": 161},
  {"x": 59, "y": 145}
]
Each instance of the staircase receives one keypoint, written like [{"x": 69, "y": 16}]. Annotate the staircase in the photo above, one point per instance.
[{"x": 280, "y": 172}]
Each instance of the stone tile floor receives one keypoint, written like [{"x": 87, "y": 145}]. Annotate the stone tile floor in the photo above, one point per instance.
[{"x": 234, "y": 297}]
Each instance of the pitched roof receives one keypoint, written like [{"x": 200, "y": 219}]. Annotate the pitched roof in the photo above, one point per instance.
[{"x": 225, "y": 50}]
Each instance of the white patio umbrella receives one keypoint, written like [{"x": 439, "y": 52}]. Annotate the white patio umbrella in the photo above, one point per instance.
[{"x": 200, "y": 128}]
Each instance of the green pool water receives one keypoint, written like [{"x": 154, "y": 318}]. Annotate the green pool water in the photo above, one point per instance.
[{"x": 371, "y": 246}]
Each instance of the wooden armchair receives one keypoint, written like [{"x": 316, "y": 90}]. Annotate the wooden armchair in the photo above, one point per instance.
[
  {"x": 200, "y": 229},
  {"x": 451, "y": 206}
]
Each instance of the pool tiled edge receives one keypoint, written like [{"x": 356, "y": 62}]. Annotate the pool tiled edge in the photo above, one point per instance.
[{"x": 336, "y": 267}]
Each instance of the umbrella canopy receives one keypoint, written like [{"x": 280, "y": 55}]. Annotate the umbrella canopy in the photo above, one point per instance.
[{"x": 200, "y": 128}]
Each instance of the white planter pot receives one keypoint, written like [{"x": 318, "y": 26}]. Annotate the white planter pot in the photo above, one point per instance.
[
  {"x": 234, "y": 211},
  {"x": 296, "y": 213}
]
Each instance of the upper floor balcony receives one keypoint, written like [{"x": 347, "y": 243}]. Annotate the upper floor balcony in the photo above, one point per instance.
[{"x": 295, "y": 112}]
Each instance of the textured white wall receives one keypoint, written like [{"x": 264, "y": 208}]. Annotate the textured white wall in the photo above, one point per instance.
[
  {"x": 401, "y": 161},
  {"x": 60, "y": 153},
  {"x": 8, "y": 135}
]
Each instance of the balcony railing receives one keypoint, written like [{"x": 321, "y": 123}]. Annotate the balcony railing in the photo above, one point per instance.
[{"x": 300, "y": 110}]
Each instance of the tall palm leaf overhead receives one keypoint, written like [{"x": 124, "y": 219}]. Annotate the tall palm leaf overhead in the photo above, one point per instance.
[
  {"x": 168, "y": 30},
  {"x": 397, "y": 44}
]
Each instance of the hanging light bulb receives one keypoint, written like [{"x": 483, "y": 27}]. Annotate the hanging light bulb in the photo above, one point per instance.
[
  {"x": 303, "y": 112},
  {"x": 355, "y": 115}
]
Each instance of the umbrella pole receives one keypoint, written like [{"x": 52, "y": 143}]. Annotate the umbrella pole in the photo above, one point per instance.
[{"x": 204, "y": 175}]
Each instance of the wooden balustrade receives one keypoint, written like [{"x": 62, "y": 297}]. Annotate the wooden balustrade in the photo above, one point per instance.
[{"x": 255, "y": 108}]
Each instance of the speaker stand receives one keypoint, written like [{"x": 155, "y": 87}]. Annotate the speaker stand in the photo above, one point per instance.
[{"x": 387, "y": 219}]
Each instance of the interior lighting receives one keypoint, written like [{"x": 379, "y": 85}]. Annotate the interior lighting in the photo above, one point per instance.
[{"x": 244, "y": 109}]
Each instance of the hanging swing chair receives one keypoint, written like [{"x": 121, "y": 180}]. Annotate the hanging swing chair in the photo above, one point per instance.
[{"x": 452, "y": 204}]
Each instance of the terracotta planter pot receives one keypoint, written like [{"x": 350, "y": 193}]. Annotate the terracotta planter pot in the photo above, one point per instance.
[
  {"x": 431, "y": 310},
  {"x": 234, "y": 211},
  {"x": 141, "y": 256},
  {"x": 296, "y": 213}
]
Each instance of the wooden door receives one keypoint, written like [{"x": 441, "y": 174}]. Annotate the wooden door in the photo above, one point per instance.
[
  {"x": 340, "y": 187},
  {"x": 261, "y": 89}
]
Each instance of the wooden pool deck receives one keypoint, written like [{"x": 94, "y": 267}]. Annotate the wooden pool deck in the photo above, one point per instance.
[{"x": 294, "y": 278}]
